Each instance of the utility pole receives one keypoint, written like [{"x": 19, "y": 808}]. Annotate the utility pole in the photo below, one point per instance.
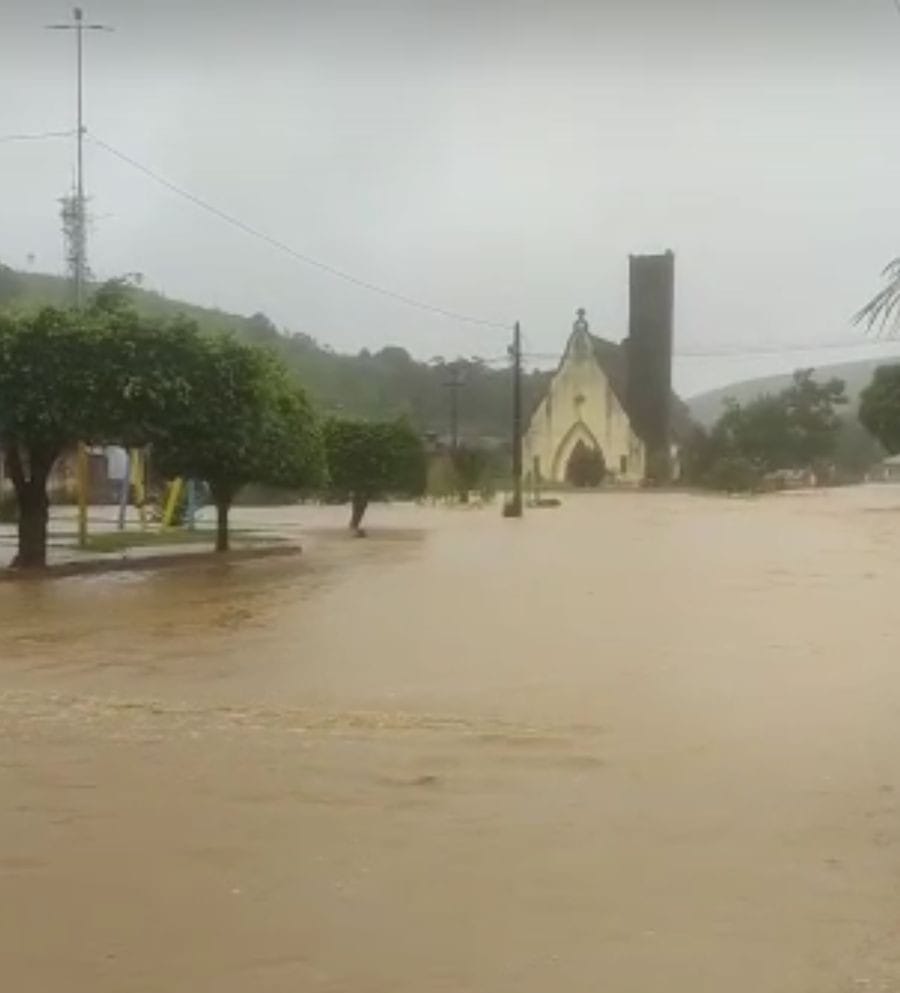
[
  {"x": 79, "y": 214},
  {"x": 454, "y": 384},
  {"x": 514, "y": 507}
]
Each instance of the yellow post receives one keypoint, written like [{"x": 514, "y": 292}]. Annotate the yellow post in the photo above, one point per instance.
[
  {"x": 83, "y": 477},
  {"x": 172, "y": 502},
  {"x": 137, "y": 481}
]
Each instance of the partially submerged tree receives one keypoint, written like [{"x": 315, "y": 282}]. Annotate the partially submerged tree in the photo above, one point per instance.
[
  {"x": 247, "y": 423},
  {"x": 67, "y": 376},
  {"x": 879, "y": 408},
  {"x": 373, "y": 460}
]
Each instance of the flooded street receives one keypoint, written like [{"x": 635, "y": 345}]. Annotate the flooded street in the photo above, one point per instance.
[{"x": 641, "y": 743}]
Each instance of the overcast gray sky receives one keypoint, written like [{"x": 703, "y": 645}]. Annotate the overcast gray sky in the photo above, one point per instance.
[{"x": 497, "y": 158}]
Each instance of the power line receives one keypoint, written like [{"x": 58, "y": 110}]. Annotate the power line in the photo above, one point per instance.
[
  {"x": 299, "y": 256},
  {"x": 39, "y": 136},
  {"x": 738, "y": 353}
]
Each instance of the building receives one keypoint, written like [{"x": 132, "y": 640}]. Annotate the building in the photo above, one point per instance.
[
  {"x": 609, "y": 411},
  {"x": 889, "y": 470}
]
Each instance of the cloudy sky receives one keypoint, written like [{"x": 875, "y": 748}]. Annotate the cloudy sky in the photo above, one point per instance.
[{"x": 500, "y": 158}]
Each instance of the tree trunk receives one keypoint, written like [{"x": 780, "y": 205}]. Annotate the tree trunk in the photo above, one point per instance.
[
  {"x": 222, "y": 508},
  {"x": 33, "y": 509},
  {"x": 33, "y": 514},
  {"x": 360, "y": 502}
]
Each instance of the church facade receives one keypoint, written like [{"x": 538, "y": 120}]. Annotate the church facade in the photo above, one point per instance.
[
  {"x": 583, "y": 412},
  {"x": 609, "y": 411}
]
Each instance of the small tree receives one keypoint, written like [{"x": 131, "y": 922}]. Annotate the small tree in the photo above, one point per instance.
[
  {"x": 879, "y": 408},
  {"x": 246, "y": 424},
  {"x": 94, "y": 376},
  {"x": 373, "y": 460},
  {"x": 470, "y": 466}
]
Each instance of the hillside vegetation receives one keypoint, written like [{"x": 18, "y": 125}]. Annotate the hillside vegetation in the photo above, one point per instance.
[
  {"x": 377, "y": 385},
  {"x": 707, "y": 407}
]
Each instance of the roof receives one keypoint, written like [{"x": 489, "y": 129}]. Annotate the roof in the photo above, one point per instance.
[{"x": 613, "y": 360}]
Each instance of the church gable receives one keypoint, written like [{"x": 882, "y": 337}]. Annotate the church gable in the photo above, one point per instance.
[{"x": 582, "y": 417}]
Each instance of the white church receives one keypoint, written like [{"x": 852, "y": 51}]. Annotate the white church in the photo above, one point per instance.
[
  {"x": 609, "y": 411},
  {"x": 582, "y": 412}
]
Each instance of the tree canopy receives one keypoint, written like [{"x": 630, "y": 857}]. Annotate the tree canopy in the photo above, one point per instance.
[
  {"x": 798, "y": 428},
  {"x": 373, "y": 460},
  {"x": 210, "y": 408},
  {"x": 92, "y": 376},
  {"x": 246, "y": 423},
  {"x": 879, "y": 407}
]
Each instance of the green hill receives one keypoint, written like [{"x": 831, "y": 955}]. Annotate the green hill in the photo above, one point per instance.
[
  {"x": 705, "y": 408},
  {"x": 382, "y": 384}
]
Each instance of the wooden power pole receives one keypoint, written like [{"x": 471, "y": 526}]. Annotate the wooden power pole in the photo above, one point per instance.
[{"x": 514, "y": 507}]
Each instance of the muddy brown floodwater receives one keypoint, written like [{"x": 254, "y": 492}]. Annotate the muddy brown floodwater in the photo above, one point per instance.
[{"x": 639, "y": 744}]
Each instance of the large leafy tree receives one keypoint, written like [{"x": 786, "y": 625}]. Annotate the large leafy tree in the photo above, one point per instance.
[
  {"x": 247, "y": 423},
  {"x": 879, "y": 408},
  {"x": 373, "y": 460},
  {"x": 96, "y": 376},
  {"x": 796, "y": 428}
]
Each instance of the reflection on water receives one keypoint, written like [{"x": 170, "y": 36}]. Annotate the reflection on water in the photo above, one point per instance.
[{"x": 641, "y": 743}]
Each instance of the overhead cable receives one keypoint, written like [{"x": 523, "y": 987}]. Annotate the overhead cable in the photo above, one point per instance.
[{"x": 288, "y": 250}]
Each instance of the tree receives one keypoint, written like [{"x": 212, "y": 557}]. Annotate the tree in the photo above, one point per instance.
[
  {"x": 469, "y": 468},
  {"x": 797, "y": 428},
  {"x": 856, "y": 450},
  {"x": 812, "y": 418},
  {"x": 68, "y": 376},
  {"x": 247, "y": 423},
  {"x": 879, "y": 408},
  {"x": 373, "y": 460},
  {"x": 586, "y": 466}
]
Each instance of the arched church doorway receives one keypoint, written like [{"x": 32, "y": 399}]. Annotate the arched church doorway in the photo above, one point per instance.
[{"x": 586, "y": 466}]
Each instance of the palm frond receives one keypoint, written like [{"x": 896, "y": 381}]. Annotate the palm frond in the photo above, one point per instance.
[{"x": 882, "y": 313}]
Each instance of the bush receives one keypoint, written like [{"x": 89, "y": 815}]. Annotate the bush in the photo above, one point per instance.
[{"x": 733, "y": 474}]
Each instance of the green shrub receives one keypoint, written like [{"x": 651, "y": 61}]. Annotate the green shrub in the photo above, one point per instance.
[{"x": 734, "y": 474}]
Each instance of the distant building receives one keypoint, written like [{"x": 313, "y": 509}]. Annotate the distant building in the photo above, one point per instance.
[
  {"x": 609, "y": 411},
  {"x": 889, "y": 469}
]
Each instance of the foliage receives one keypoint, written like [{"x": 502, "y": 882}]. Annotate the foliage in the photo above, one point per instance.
[
  {"x": 879, "y": 408},
  {"x": 856, "y": 450},
  {"x": 733, "y": 474},
  {"x": 798, "y": 428},
  {"x": 10, "y": 284},
  {"x": 96, "y": 376},
  {"x": 381, "y": 385},
  {"x": 246, "y": 423},
  {"x": 442, "y": 482},
  {"x": 471, "y": 467},
  {"x": 586, "y": 467},
  {"x": 881, "y": 311},
  {"x": 373, "y": 460}
]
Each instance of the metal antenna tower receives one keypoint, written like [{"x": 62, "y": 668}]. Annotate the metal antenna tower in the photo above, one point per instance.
[{"x": 73, "y": 208}]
